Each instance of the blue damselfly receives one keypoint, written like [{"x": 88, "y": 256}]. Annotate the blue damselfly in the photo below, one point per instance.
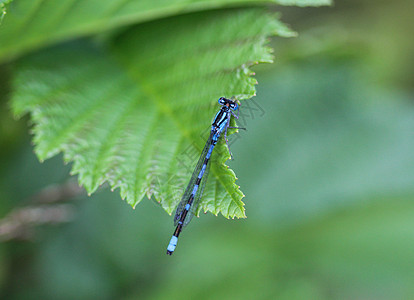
[{"x": 191, "y": 198}]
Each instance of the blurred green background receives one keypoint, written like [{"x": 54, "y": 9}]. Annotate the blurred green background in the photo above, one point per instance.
[{"x": 326, "y": 166}]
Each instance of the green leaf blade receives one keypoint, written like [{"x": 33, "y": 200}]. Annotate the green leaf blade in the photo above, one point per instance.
[
  {"x": 130, "y": 114},
  {"x": 33, "y": 24}
]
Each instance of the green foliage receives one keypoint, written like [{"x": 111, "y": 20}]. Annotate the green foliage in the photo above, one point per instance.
[
  {"x": 128, "y": 107},
  {"x": 328, "y": 172},
  {"x": 36, "y": 23},
  {"x": 131, "y": 112},
  {"x": 330, "y": 214},
  {"x": 3, "y": 4},
  {"x": 332, "y": 141}
]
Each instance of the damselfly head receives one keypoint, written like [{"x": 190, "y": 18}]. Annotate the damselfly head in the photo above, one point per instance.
[{"x": 232, "y": 104}]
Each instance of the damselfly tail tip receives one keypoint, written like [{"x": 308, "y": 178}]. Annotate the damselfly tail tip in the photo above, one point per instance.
[{"x": 172, "y": 245}]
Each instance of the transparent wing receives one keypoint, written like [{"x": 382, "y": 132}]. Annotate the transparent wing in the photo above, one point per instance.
[
  {"x": 190, "y": 186},
  {"x": 198, "y": 195}
]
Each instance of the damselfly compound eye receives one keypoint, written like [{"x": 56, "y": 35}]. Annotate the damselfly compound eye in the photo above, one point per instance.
[{"x": 222, "y": 101}]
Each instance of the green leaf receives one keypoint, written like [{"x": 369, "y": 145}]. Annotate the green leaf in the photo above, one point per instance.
[
  {"x": 36, "y": 23},
  {"x": 134, "y": 114},
  {"x": 3, "y": 11}
]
